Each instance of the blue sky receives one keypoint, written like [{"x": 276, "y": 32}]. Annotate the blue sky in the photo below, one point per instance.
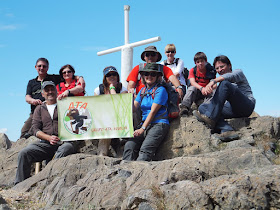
[{"x": 72, "y": 32}]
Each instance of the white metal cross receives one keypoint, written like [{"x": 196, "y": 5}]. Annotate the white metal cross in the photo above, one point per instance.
[{"x": 127, "y": 49}]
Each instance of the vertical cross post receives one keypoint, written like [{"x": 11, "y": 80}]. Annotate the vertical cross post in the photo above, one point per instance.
[{"x": 127, "y": 49}]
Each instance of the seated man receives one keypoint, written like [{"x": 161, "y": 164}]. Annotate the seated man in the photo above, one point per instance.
[
  {"x": 45, "y": 127},
  {"x": 233, "y": 98}
]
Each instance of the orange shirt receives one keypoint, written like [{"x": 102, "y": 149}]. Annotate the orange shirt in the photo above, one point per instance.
[{"x": 133, "y": 76}]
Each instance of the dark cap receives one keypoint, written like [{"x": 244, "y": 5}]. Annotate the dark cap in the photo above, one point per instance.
[
  {"x": 109, "y": 69},
  {"x": 152, "y": 67},
  {"x": 46, "y": 83},
  {"x": 151, "y": 49}
]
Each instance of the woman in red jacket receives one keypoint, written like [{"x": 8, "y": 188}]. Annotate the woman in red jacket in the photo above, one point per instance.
[{"x": 69, "y": 85}]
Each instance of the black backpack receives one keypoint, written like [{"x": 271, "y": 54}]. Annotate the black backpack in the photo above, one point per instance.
[{"x": 210, "y": 72}]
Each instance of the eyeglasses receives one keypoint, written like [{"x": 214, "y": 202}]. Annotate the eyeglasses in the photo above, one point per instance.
[
  {"x": 152, "y": 74},
  {"x": 44, "y": 66},
  {"x": 170, "y": 51},
  {"x": 147, "y": 54},
  {"x": 114, "y": 74},
  {"x": 64, "y": 72}
]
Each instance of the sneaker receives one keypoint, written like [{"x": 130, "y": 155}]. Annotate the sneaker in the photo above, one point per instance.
[
  {"x": 228, "y": 136},
  {"x": 203, "y": 118},
  {"x": 183, "y": 110}
]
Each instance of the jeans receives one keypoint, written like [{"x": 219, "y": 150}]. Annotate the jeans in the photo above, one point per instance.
[
  {"x": 143, "y": 148},
  {"x": 227, "y": 102}
]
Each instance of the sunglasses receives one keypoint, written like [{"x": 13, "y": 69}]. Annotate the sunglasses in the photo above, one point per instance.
[
  {"x": 64, "y": 72},
  {"x": 152, "y": 74},
  {"x": 44, "y": 66},
  {"x": 147, "y": 54},
  {"x": 111, "y": 74},
  {"x": 170, "y": 51}
]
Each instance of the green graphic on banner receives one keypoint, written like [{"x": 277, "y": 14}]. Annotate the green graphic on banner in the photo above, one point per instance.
[{"x": 95, "y": 117}]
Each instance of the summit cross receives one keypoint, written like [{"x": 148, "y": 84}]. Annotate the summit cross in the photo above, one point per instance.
[{"x": 127, "y": 48}]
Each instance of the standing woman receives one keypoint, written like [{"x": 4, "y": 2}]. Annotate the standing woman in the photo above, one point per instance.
[
  {"x": 153, "y": 101},
  {"x": 175, "y": 64},
  {"x": 111, "y": 85},
  {"x": 69, "y": 85}
]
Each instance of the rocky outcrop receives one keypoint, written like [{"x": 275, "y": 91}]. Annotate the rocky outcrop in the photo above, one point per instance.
[{"x": 196, "y": 171}]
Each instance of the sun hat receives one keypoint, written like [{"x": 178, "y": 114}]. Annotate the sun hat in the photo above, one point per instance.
[
  {"x": 152, "y": 67},
  {"x": 46, "y": 83},
  {"x": 109, "y": 69},
  {"x": 151, "y": 49}
]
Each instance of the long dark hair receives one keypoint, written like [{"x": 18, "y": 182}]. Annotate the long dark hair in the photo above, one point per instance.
[{"x": 106, "y": 84}]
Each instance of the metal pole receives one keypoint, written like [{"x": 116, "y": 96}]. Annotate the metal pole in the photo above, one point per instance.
[{"x": 126, "y": 24}]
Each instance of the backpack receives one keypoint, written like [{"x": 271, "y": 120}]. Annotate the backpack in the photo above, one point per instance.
[
  {"x": 185, "y": 72},
  {"x": 210, "y": 72},
  {"x": 173, "y": 99},
  {"x": 101, "y": 89}
]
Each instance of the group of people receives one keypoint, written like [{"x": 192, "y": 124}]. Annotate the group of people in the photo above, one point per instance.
[{"x": 226, "y": 96}]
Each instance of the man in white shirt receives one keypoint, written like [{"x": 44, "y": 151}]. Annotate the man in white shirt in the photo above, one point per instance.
[{"x": 45, "y": 127}]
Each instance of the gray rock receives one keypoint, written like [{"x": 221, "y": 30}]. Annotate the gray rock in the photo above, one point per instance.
[
  {"x": 5, "y": 143},
  {"x": 196, "y": 171}
]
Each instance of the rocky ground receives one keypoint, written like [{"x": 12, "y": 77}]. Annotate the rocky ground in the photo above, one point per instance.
[{"x": 193, "y": 170}]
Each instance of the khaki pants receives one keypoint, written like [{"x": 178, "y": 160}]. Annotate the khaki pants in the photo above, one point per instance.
[{"x": 103, "y": 146}]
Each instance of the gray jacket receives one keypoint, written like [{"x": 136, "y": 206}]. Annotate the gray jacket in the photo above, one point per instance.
[{"x": 238, "y": 78}]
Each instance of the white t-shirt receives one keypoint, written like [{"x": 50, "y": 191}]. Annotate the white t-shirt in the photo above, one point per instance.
[
  {"x": 97, "y": 91},
  {"x": 51, "y": 109},
  {"x": 177, "y": 69}
]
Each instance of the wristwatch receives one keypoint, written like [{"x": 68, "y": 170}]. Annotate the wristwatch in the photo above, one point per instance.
[
  {"x": 212, "y": 80},
  {"x": 180, "y": 86},
  {"x": 143, "y": 127}
]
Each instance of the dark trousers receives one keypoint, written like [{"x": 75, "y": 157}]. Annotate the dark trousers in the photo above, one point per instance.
[
  {"x": 227, "y": 102},
  {"x": 27, "y": 126},
  {"x": 143, "y": 148},
  {"x": 39, "y": 151}
]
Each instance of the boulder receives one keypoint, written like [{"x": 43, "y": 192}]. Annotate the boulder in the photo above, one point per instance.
[{"x": 5, "y": 143}]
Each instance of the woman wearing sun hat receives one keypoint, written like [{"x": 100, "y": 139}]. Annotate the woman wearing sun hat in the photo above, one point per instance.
[
  {"x": 153, "y": 102},
  {"x": 111, "y": 85}
]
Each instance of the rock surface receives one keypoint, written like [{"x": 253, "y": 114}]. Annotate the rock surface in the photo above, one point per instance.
[{"x": 195, "y": 170}]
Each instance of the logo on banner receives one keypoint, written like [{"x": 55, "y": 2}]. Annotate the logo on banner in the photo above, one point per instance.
[{"x": 77, "y": 119}]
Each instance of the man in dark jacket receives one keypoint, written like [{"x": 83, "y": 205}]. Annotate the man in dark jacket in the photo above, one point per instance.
[{"x": 45, "y": 127}]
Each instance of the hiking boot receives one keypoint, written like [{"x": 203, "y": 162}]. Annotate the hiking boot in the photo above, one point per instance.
[
  {"x": 183, "y": 110},
  {"x": 203, "y": 118},
  {"x": 228, "y": 136}
]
